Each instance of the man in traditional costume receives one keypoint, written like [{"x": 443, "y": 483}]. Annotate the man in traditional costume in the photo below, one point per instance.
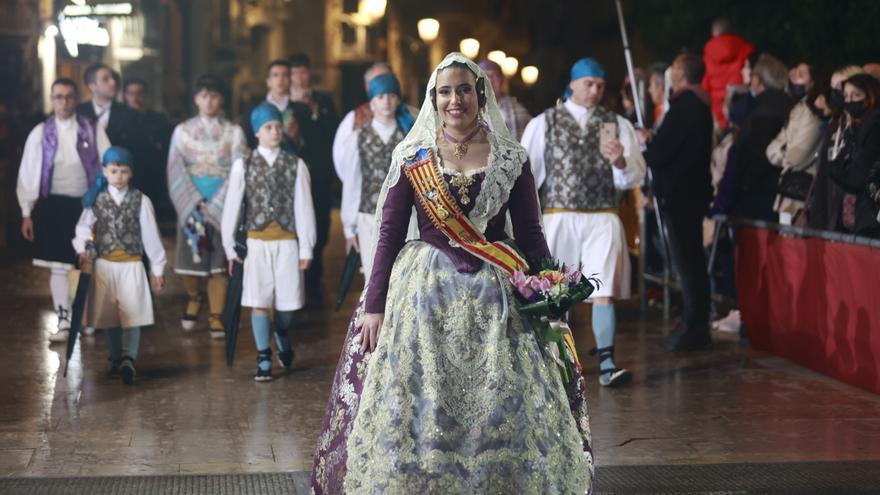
[
  {"x": 280, "y": 222},
  {"x": 581, "y": 153},
  {"x": 122, "y": 222},
  {"x": 201, "y": 155},
  {"x": 60, "y": 162},
  {"x": 365, "y": 160}
]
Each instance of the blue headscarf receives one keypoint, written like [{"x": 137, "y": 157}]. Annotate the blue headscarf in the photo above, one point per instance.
[
  {"x": 265, "y": 112},
  {"x": 585, "y": 67},
  {"x": 114, "y": 154},
  {"x": 385, "y": 84}
]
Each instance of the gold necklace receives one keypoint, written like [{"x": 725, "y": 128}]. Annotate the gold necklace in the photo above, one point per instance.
[{"x": 460, "y": 146}]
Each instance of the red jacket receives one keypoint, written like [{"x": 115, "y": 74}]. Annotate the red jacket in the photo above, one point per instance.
[{"x": 724, "y": 56}]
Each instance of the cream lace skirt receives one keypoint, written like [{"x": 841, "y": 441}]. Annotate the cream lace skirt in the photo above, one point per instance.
[{"x": 458, "y": 397}]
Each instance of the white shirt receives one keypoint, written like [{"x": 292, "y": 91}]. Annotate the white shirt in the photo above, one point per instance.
[
  {"x": 68, "y": 175},
  {"x": 343, "y": 132},
  {"x": 303, "y": 208},
  {"x": 631, "y": 176},
  {"x": 349, "y": 171},
  {"x": 149, "y": 230},
  {"x": 280, "y": 105},
  {"x": 103, "y": 114}
]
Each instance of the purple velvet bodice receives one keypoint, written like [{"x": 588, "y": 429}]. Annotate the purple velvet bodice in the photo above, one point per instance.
[{"x": 524, "y": 214}]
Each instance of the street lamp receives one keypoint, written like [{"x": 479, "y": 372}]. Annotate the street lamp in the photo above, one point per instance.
[
  {"x": 428, "y": 29},
  {"x": 470, "y": 47},
  {"x": 497, "y": 56},
  {"x": 373, "y": 10},
  {"x": 509, "y": 66},
  {"x": 529, "y": 74}
]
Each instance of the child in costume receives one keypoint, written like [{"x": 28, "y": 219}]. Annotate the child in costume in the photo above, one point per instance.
[
  {"x": 279, "y": 218},
  {"x": 122, "y": 223},
  {"x": 365, "y": 158},
  {"x": 200, "y": 157}
]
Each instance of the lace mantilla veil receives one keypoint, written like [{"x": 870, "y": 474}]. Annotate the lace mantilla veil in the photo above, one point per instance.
[{"x": 506, "y": 155}]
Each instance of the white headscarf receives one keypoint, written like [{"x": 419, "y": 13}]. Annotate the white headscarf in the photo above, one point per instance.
[{"x": 506, "y": 155}]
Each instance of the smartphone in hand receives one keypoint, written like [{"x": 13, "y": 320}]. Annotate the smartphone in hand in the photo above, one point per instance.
[{"x": 607, "y": 132}]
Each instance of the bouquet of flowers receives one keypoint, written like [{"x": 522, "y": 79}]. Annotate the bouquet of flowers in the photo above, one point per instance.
[{"x": 544, "y": 298}]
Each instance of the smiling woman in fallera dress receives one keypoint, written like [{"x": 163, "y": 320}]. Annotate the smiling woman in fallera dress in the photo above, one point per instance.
[{"x": 442, "y": 386}]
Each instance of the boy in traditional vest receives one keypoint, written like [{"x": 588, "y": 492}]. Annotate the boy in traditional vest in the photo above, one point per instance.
[
  {"x": 200, "y": 157},
  {"x": 580, "y": 154},
  {"x": 365, "y": 157},
  {"x": 280, "y": 221},
  {"x": 122, "y": 222}
]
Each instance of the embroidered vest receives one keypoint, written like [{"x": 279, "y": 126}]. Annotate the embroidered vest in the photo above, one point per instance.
[
  {"x": 578, "y": 176},
  {"x": 270, "y": 191},
  {"x": 86, "y": 147},
  {"x": 375, "y": 159},
  {"x": 118, "y": 226}
]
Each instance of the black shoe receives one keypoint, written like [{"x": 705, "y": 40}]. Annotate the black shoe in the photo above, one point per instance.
[
  {"x": 610, "y": 377},
  {"x": 264, "y": 375},
  {"x": 126, "y": 369},
  {"x": 683, "y": 340},
  {"x": 285, "y": 358},
  {"x": 614, "y": 377}
]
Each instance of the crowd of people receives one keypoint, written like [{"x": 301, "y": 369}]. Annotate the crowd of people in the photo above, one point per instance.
[{"x": 794, "y": 145}]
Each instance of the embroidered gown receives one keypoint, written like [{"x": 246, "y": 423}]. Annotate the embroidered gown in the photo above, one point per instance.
[{"x": 458, "y": 397}]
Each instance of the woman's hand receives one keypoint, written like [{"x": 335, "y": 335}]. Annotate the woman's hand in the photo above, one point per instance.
[{"x": 370, "y": 328}]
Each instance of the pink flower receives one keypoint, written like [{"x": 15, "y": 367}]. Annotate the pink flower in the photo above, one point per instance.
[
  {"x": 521, "y": 282},
  {"x": 575, "y": 277},
  {"x": 539, "y": 284}
]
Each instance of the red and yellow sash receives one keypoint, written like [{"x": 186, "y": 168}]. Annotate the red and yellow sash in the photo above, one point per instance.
[{"x": 447, "y": 216}]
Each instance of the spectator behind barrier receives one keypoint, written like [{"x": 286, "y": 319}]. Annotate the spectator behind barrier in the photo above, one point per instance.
[
  {"x": 756, "y": 178},
  {"x": 796, "y": 148},
  {"x": 826, "y": 196},
  {"x": 854, "y": 159}
]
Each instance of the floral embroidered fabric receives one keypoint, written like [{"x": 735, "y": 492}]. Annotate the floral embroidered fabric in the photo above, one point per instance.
[{"x": 459, "y": 398}]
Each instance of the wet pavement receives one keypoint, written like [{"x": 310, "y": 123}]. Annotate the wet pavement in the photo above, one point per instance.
[{"x": 189, "y": 413}]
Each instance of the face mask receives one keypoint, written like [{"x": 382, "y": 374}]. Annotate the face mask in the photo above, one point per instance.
[
  {"x": 798, "y": 90},
  {"x": 855, "y": 109},
  {"x": 836, "y": 101}
]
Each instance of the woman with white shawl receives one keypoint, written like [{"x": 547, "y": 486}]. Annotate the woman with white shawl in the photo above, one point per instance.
[{"x": 442, "y": 386}]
